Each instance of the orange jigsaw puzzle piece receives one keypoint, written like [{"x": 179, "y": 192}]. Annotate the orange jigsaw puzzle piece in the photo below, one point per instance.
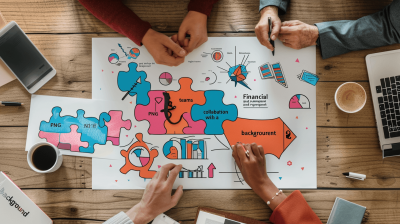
[{"x": 183, "y": 100}]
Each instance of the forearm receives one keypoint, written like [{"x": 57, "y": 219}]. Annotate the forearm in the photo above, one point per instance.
[
  {"x": 379, "y": 29},
  {"x": 203, "y": 6},
  {"x": 280, "y": 4},
  {"x": 267, "y": 190},
  {"x": 119, "y": 17}
]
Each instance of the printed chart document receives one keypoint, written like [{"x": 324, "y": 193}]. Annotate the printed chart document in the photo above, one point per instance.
[{"x": 228, "y": 90}]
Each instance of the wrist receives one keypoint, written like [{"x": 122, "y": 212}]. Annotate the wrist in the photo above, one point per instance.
[
  {"x": 147, "y": 35},
  {"x": 267, "y": 190},
  {"x": 199, "y": 15},
  {"x": 139, "y": 215},
  {"x": 269, "y": 10},
  {"x": 314, "y": 35}
]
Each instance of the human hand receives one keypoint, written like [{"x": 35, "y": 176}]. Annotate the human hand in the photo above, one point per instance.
[
  {"x": 163, "y": 49},
  {"x": 194, "y": 24},
  {"x": 157, "y": 196},
  {"x": 262, "y": 27},
  {"x": 296, "y": 34},
  {"x": 254, "y": 171}
]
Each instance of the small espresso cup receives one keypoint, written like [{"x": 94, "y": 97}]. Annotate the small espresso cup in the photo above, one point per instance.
[
  {"x": 350, "y": 97},
  {"x": 44, "y": 157}
]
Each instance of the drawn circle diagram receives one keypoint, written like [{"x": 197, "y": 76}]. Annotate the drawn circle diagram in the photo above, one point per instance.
[
  {"x": 113, "y": 58},
  {"x": 139, "y": 157},
  {"x": 299, "y": 101},
  {"x": 134, "y": 53},
  {"x": 217, "y": 56},
  {"x": 172, "y": 149},
  {"x": 165, "y": 78}
]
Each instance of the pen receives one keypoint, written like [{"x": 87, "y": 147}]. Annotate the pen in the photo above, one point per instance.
[
  {"x": 5, "y": 103},
  {"x": 245, "y": 151},
  {"x": 355, "y": 175},
  {"x": 269, "y": 35}
]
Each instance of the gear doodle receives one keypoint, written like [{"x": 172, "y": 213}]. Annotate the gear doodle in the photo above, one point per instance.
[{"x": 139, "y": 158}]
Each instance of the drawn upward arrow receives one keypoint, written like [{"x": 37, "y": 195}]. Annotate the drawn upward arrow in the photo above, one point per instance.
[{"x": 211, "y": 169}]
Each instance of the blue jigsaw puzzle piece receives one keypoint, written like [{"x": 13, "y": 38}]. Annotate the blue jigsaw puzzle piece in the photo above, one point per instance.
[
  {"x": 135, "y": 83},
  {"x": 58, "y": 124},
  {"x": 214, "y": 112},
  {"x": 92, "y": 131}
]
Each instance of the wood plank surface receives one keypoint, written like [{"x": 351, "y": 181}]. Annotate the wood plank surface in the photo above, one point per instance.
[
  {"x": 69, "y": 16},
  {"x": 382, "y": 206}
]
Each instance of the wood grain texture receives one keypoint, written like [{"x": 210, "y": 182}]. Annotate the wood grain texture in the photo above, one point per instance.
[
  {"x": 382, "y": 206},
  {"x": 69, "y": 16}
]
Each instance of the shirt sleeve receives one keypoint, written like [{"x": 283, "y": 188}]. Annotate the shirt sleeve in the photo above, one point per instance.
[
  {"x": 375, "y": 30},
  {"x": 119, "y": 17},
  {"x": 281, "y": 4},
  {"x": 120, "y": 218},
  {"x": 294, "y": 209},
  {"x": 202, "y": 6}
]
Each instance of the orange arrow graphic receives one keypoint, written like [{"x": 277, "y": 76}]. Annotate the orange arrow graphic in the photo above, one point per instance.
[{"x": 274, "y": 135}]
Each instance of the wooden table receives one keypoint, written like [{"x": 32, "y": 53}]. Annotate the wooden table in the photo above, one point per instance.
[{"x": 63, "y": 30}]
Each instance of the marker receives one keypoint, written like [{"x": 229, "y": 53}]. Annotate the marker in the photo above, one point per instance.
[
  {"x": 5, "y": 103},
  {"x": 245, "y": 151},
  {"x": 269, "y": 35},
  {"x": 356, "y": 176}
]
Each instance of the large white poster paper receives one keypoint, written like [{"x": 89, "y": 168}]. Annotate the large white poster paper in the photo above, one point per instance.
[{"x": 230, "y": 89}]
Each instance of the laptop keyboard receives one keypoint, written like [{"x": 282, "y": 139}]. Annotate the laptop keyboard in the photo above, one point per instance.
[{"x": 389, "y": 106}]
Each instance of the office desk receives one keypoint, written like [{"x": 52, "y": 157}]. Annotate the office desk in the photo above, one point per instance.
[{"x": 63, "y": 29}]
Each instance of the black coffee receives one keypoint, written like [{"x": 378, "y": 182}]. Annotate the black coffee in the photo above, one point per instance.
[{"x": 44, "y": 157}]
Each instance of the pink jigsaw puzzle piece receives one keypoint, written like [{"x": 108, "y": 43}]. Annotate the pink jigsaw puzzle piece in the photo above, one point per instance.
[
  {"x": 73, "y": 138},
  {"x": 53, "y": 138},
  {"x": 114, "y": 126},
  {"x": 194, "y": 127},
  {"x": 152, "y": 113}
]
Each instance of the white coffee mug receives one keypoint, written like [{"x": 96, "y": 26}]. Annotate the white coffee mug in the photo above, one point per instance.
[
  {"x": 361, "y": 94},
  {"x": 57, "y": 163}
]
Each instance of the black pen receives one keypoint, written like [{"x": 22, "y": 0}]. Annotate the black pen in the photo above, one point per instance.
[
  {"x": 269, "y": 35},
  {"x": 5, "y": 103}
]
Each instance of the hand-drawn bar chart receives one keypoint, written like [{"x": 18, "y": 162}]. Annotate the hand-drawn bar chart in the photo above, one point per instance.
[{"x": 185, "y": 149}]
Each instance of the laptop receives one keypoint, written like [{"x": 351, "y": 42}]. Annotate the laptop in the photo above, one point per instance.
[{"x": 384, "y": 79}]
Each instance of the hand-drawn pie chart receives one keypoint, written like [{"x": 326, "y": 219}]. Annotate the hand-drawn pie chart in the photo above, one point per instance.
[
  {"x": 134, "y": 53},
  {"x": 217, "y": 56},
  {"x": 299, "y": 101},
  {"x": 139, "y": 157},
  {"x": 113, "y": 58},
  {"x": 165, "y": 78}
]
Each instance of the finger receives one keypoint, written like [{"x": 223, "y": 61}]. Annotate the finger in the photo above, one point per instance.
[
  {"x": 193, "y": 42},
  {"x": 165, "y": 170},
  {"x": 235, "y": 156},
  {"x": 173, "y": 174},
  {"x": 248, "y": 149},
  {"x": 178, "y": 194},
  {"x": 182, "y": 36},
  {"x": 291, "y": 23},
  {"x": 287, "y": 29},
  {"x": 156, "y": 175},
  {"x": 262, "y": 36},
  {"x": 261, "y": 150},
  {"x": 276, "y": 27},
  {"x": 175, "y": 47},
  {"x": 240, "y": 152},
  {"x": 172, "y": 61},
  {"x": 255, "y": 150},
  {"x": 186, "y": 42},
  {"x": 288, "y": 45},
  {"x": 285, "y": 37}
]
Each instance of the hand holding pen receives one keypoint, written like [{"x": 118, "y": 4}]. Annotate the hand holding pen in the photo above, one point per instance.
[{"x": 267, "y": 29}]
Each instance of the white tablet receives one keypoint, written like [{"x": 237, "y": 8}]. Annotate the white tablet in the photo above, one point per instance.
[{"x": 23, "y": 58}]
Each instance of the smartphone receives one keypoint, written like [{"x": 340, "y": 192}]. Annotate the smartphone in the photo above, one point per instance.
[
  {"x": 23, "y": 58},
  {"x": 164, "y": 219}
]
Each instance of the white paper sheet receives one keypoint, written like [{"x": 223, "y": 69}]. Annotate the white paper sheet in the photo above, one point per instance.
[
  {"x": 282, "y": 119},
  {"x": 80, "y": 127}
]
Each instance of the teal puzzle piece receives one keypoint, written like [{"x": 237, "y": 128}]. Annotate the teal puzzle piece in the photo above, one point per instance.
[{"x": 214, "y": 112}]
